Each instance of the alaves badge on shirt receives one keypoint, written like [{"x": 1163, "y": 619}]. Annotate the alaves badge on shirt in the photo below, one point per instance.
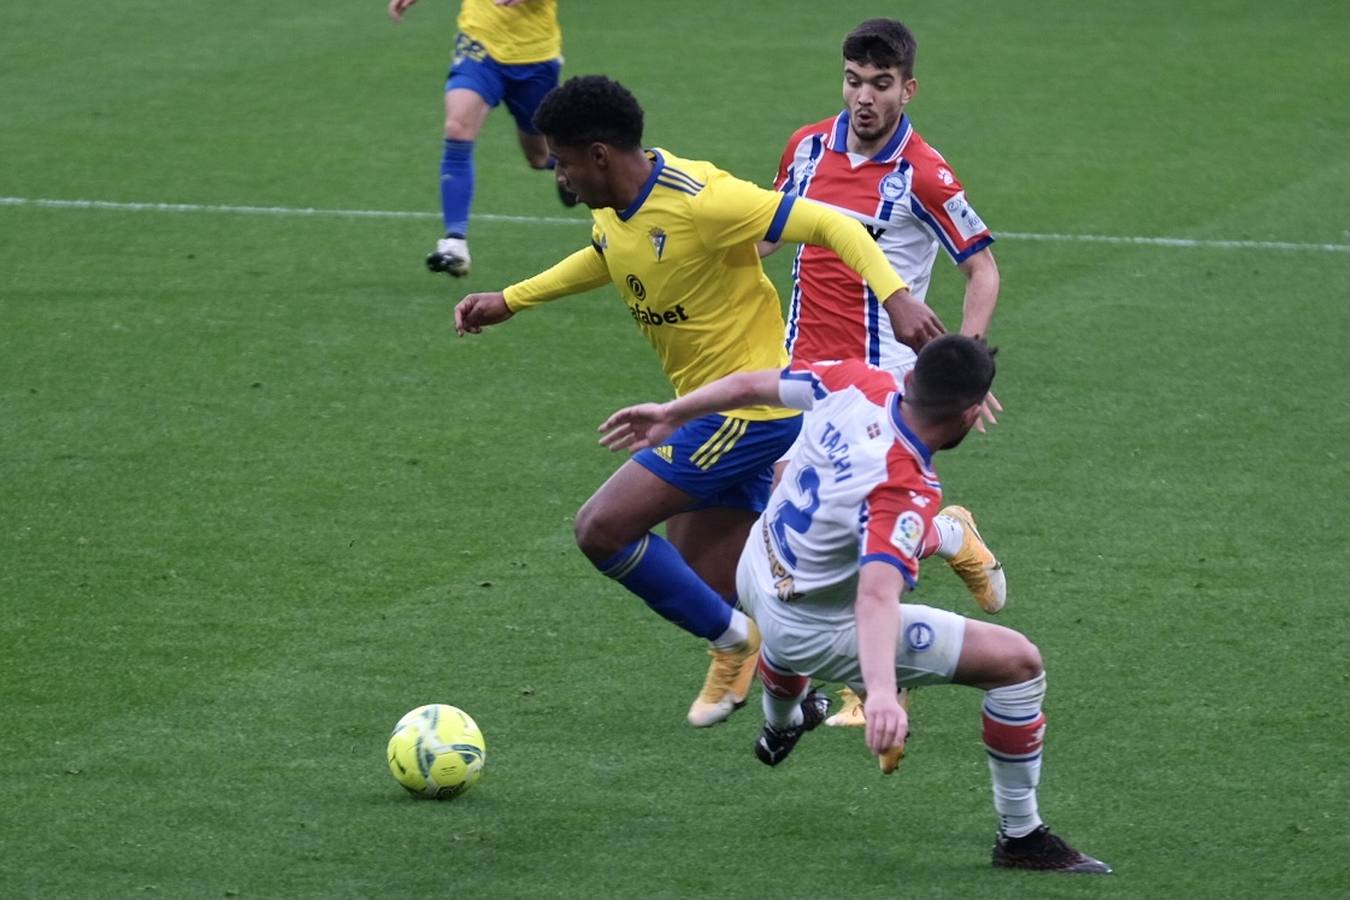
[{"x": 893, "y": 186}]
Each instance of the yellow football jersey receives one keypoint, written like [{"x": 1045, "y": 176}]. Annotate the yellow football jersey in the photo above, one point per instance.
[
  {"x": 684, "y": 261},
  {"x": 683, "y": 258},
  {"x": 525, "y": 33}
]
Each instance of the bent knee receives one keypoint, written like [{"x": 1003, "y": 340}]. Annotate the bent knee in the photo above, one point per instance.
[
  {"x": 596, "y": 534},
  {"x": 1025, "y": 661}
]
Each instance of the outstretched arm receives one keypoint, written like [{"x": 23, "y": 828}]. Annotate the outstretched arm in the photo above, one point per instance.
[
  {"x": 877, "y": 612},
  {"x": 810, "y": 223},
  {"x": 398, "y": 7},
  {"x": 580, "y": 272},
  {"x": 648, "y": 424}
]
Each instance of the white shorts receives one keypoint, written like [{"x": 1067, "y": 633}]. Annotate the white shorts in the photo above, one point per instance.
[{"x": 823, "y": 644}]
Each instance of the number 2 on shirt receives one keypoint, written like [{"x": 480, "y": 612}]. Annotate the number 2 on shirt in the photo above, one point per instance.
[{"x": 789, "y": 515}]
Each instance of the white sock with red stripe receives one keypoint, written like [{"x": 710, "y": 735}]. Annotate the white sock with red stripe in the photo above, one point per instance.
[
  {"x": 783, "y": 695},
  {"x": 1014, "y": 728}
]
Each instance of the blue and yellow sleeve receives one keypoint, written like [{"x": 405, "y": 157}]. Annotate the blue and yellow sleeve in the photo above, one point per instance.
[{"x": 729, "y": 211}]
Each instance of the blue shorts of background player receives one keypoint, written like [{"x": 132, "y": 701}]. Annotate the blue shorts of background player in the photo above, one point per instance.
[
  {"x": 476, "y": 85},
  {"x": 521, "y": 87}
]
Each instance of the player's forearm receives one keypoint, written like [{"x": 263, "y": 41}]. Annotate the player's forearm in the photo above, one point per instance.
[
  {"x": 811, "y": 223},
  {"x": 982, "y": 285},
  {"x": 877, "y": 613},
  {"x": 759, "y": 388},
  {"x": 578, "y": 273}
]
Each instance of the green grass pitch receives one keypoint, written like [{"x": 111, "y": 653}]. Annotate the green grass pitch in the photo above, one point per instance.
[{"x": 257, "y": 500}]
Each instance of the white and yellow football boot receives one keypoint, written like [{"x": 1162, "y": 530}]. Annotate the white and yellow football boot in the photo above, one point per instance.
[
  {"x": 850, "y": 714},
  {"x": 730, "y": 675},
  {"x": 976, "y": 565}
]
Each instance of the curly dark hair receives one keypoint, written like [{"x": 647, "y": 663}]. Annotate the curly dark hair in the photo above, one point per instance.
[
  {"x": 952, "y": 374},
  {"x": 591, "y": 109},
  {"x": 884, "y": 43}
]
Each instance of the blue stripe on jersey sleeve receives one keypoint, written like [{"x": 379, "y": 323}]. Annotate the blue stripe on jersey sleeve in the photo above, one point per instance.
[
  {"x": 928, "y": 219},
  {"x": 910, "y": 580},
  {"x": 972, "y": 249},
  {"x": 775, "y": 232},
  {"x": 817, "y": 389}
]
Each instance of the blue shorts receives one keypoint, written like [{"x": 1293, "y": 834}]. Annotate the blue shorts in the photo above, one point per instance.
[
  {"x": 521, "y": 86},
  {"x": 723, "y": 461}
]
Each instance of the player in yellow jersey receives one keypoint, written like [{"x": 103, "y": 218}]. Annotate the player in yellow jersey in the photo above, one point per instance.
[
  {"x": 677, "y": 237},
  {"x": 506, "y": 51}
]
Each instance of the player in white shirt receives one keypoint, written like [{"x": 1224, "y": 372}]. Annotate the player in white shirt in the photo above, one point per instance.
[{"x": 838, "y": 546}]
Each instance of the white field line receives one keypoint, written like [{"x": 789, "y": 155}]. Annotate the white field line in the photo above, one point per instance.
[
  {"x": 1174, "y": 242},
  {"x": 47, "y": 203}
]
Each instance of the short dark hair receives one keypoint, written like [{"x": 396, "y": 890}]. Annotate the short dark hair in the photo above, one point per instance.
[
  {"x": 884, "y": 43},
  {"x": 952, "y": 374},
  {"x": 591, "y": 109}
]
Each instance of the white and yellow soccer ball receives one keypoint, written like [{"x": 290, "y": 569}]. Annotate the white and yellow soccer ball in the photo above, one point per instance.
[{"x": 437, "y": 751}]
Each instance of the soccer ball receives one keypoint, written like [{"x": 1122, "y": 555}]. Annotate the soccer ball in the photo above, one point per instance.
[{"x": 437, "y": 751}]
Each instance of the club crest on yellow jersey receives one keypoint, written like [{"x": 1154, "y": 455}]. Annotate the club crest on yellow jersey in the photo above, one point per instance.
[{"x": 658, "y": 238}]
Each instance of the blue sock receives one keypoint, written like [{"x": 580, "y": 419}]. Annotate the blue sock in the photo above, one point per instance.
[
  {"x": 456, "y": 186},
  {"x": 654, "y": 570}
]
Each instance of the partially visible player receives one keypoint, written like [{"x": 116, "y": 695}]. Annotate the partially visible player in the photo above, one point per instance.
[
  {"x": 677, "y": 237},
  {"x": 868, "y": 162},
  {"x": 838, "y": 546},
  {"x": 506, "y": 51}
]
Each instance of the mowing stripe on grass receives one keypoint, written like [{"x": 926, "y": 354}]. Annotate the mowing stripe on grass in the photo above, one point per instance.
[{"x": 48, "y": 203}]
